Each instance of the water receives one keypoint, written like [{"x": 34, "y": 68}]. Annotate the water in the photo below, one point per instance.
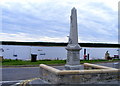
[{"x": 24, "y": 52}]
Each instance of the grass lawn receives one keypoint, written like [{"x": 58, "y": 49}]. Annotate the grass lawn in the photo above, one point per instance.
[{"x": 9, "y": 62}]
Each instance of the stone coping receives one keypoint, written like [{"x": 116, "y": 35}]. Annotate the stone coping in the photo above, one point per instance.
[
  {"x": 49, "y": 68},
  {"x": 103, "y": 69},
  {"x": 97, "y": 66}
]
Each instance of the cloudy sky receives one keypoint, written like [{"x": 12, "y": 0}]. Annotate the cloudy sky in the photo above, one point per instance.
[{"x": 49, "y": 20}]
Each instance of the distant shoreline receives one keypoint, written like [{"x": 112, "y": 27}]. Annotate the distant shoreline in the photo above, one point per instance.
[{"x": 99, "y": 45}]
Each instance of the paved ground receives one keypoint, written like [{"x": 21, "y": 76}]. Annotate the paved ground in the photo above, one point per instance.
[
  {"x": 110, "y": 83},
  {"x": 10, "y": 74},
  {"x": 17, "y": 75},
  {"x": 114, "y": 64}
]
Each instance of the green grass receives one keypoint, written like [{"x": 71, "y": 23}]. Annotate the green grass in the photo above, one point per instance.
[
  {"x": 21, "y": 62},
  {"x": 9, "y": 62}
]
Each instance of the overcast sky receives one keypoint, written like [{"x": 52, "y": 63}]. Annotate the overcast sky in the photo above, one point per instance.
[{"x": 49, "y": 20}]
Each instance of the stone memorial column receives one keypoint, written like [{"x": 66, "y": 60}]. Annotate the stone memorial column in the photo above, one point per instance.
[{"x": 73, "y": 48}]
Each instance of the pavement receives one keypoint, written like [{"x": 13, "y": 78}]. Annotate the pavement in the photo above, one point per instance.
[
  {"x": 11, "y": 83},
  {"x": 41, "y": 82}
]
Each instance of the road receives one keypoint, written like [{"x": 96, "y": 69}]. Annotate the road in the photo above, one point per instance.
[{"x": 16, "y": 75}]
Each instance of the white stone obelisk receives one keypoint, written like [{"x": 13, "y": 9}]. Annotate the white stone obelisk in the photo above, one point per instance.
[{"x": 73, "y": 48}]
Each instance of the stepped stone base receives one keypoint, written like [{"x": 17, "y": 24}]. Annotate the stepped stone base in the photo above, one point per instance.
[{"x": 73, "y": 67}]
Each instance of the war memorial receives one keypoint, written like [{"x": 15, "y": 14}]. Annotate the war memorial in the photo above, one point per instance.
[{"x": 73, "y": 72}]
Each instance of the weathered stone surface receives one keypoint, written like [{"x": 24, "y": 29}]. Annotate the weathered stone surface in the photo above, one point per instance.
[
  {"x": 72, "y": 67},
  {"x": 93, "y": 66},
  {"x": 73, "y": 48},
  {"x": 78, "y": 76}
]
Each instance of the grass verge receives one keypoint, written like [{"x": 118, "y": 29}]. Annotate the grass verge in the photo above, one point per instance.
[{"x": 9, "y": 62}]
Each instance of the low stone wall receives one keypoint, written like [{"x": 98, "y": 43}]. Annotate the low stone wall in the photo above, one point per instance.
[
  {"x": 89, "y": 66},
  {"x": 56, "y": 76}
]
